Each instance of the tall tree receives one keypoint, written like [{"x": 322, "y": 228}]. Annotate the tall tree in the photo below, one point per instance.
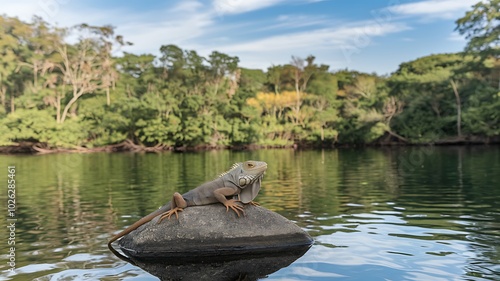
[
  {"x": 302, "y": 71},
  {"x": 15, "y": 36},
  {"x": 481, "y": 25},
  {"x": 430, "y": 89},
  {"x": 8, "y": 59},
  {"x": 172, "y": 60},
  {"x": 87, "y": 66}
]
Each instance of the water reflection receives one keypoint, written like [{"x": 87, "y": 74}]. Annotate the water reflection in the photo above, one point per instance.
[
  {"x": 222, "y": 268},
  {"x": 421, "y": 213}
]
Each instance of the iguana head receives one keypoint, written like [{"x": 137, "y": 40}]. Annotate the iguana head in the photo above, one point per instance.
[{"x": 247, "y": 176}]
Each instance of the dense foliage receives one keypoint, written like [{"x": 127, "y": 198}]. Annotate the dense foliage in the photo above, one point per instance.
[{"x": 86, "y": 94}]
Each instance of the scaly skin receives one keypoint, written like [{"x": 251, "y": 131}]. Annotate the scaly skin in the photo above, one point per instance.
[{"x": 242, "y": 180}]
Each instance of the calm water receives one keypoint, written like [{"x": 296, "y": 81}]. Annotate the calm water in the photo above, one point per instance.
[{"x": 376, "y": 214}]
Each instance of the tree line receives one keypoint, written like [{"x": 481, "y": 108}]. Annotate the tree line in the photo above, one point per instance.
[{"x": 79, "y": 94}]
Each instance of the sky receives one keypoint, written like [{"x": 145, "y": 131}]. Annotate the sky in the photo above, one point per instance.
[{"x": 373, "y": 36}]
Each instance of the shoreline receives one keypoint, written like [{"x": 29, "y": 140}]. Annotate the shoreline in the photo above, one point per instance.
[{"x": 129, "y": 146}]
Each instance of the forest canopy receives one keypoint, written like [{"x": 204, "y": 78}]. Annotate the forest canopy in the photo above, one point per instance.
[{"x": 84, "y": 94}]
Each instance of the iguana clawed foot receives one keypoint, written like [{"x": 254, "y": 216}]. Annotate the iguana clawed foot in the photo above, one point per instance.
[
  {"x": 169, "y": 213},
  {"x": 253, "y": 203},
  {"x": 234, "y": 206}
]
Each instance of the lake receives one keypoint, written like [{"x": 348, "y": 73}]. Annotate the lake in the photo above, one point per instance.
[{"x": 405, "y": 213}]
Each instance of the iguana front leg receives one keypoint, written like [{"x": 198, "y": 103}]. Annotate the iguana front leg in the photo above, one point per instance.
[
  {"x": 178, "y": 204},
  {"x": 221, "y": 193}
]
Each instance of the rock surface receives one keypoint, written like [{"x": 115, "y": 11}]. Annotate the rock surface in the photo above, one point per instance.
[{"x": 204, "y": 231}]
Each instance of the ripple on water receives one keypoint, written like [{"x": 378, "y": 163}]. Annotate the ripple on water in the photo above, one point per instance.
[
  {"x": 373, "y": 217},
  {"x": 383, "y": 241},
  {"x": 124, "y": 272}
]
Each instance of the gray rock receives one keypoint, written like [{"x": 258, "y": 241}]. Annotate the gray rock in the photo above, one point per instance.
[{"x": 210, "y": 231}]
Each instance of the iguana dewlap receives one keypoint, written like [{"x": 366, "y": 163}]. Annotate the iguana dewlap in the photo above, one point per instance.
[{"x": 242, "y": 180}]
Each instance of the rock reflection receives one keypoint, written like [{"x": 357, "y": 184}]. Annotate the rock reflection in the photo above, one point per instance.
[{"x": 221, "y": 268}]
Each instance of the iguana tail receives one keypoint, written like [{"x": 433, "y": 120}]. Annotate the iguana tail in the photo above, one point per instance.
[
  {"x": 140, "y": 222},
  {"x": 133, "y": 227}
]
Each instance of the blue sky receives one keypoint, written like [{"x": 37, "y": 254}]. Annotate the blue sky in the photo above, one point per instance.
[{"x": 364, "y": 35}]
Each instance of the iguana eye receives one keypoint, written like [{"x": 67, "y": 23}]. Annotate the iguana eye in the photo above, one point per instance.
[
  {"x": 250, "y": 165},
  {"x": 243, "y": 181}
]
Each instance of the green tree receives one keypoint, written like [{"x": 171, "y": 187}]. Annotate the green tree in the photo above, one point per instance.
[
  {"x": 431, "y": 88},
  {"x": 362, "y": 98},
  {"x": 87, "y": 66},
  {"x": 481, "y": 25},
  {"x": 14, "y": 48},
  {"x": 323, "y": 102}
]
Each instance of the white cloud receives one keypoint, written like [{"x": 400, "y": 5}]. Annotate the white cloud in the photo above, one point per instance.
[
  {"x": 241, "y": 6},
  {"x": 355, "y": 35},
  {"x": 23, "y": 9},
  {"x": 187, "y": 6},
  {"x": 456, "y": 37},
  {"x": 434, "y": 8},
  {"x": 259, "y": 42},
  {"x": 60, "y": 13},
  {"x": 179, "y": 23},
  {"x": 337, "y": 47},
  {"x": 148, "y": 37}
]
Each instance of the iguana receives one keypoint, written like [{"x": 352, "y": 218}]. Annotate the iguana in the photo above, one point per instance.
[{"x": 242, "y": 180}]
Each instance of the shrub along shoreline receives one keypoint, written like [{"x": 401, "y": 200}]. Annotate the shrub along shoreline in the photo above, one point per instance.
[
  {"x": 128, "y": 146},
  {"x": 78, "y": 96}
]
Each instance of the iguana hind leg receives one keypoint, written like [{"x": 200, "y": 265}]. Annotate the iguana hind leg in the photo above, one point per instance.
[
  {"x": 221, "y": 193},
  {"x": 178, "y": 204}
]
